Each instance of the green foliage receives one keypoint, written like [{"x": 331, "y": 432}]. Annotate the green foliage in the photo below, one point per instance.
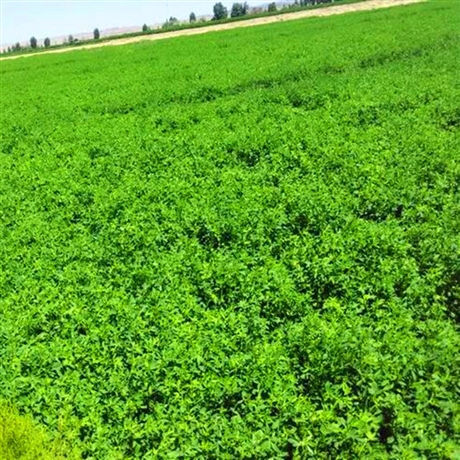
[
  {"x": 33, "y": 42},
  {"x": 255, "y": 254},
  {"x": 170, "y": 23},
  {"x": 220, "y": 12},
  {"x": 145, "y": 28},
  {"x": 22, "y": 439},
  {"x": 272, "y": 7},
  {"x": 96, "y": 34},
  {"x": 239, "y": 9},
  {"x": 47, "y": 42},
  {"x": 192, "y": 17}
]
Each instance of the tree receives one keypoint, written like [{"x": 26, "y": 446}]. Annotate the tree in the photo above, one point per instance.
[
  {"x": 272, "y": 7},
  {"x": 96, "y": 34},
  {"x": 70, "y": 39},
  {"x": 17, "y": 47},
  {"x": 220, "y": 12},
  {"x": 145, "y": 28},
  {"x": 239, "y": 9},
  {"x": 33, "y": 42},
  {"x": 170, "y": 22},
  {"x": 47, "y": 42},
  {"x": 192, "y": 17}
]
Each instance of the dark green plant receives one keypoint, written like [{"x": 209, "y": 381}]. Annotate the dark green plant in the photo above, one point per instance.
[
  {"x": 239, "y": 9},
  {"x": 220, "y": 11}
]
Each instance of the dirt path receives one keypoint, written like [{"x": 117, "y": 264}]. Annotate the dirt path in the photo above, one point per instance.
[{"x": 329, "y": 11}]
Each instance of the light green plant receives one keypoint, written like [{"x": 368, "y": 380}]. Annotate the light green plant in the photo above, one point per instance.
[{"x": 23, "y": 439}]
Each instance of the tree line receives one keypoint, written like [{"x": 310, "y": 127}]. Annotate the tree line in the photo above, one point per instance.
[
  {"x": 220, "y": 12},
  {"x": 33, "y": 42}
]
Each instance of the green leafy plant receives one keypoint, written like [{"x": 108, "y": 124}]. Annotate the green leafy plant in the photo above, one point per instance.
[{"x": 254, "y": 254}]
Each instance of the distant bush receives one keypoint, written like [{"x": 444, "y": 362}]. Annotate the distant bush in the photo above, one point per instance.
[
  {"x": 96, "y": 34},
  {"x": 47, "y": 42},
  {"x": 192, "y": 17},
  {"x": 33, "y": 42},
  {"x": 145, "y": 28},
  {"x": 272, "y": 7}
]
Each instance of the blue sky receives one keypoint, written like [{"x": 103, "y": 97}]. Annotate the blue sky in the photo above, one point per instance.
[{"x": 22, "y": 19}]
